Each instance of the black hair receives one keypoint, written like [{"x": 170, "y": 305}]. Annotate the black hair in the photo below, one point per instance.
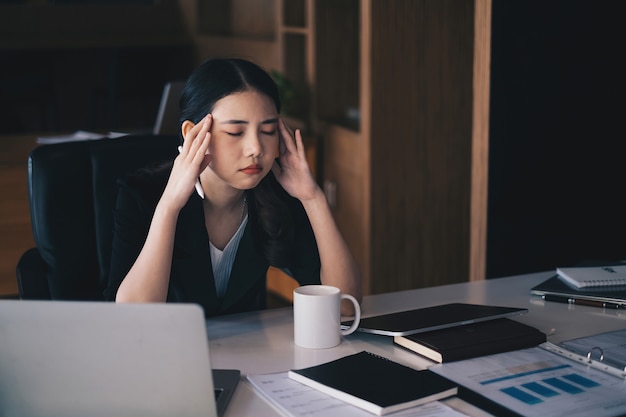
[
  {"x": 213, "y": 80},
  {"x": 217, "y": 78}
]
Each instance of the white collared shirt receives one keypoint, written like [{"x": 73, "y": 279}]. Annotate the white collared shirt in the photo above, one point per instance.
[{"x": 223, "y": 260}]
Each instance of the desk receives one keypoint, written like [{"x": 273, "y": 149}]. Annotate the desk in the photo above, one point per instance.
[{"x": 262, "y": 342}]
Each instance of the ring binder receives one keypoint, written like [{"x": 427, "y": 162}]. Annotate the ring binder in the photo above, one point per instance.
[
  {"x": 599, "y": 365},
  {"x": 591, "y": 350},
  {"x": 604, "y": 351}
]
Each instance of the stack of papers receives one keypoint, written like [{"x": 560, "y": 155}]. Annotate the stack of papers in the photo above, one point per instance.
[{"x": 538, "y": 382}]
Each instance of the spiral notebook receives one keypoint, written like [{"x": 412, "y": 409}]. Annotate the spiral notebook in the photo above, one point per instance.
[{"x": 593, "y": 276}]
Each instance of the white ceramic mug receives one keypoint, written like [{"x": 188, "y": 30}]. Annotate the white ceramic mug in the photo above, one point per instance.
[{"x": 317, "y": 316}]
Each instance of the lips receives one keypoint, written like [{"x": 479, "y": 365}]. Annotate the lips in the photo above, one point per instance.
[{"x": 252, "y": 170}]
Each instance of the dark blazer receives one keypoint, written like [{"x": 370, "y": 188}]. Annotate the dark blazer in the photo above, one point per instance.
[{"x": 191, "y": 278}]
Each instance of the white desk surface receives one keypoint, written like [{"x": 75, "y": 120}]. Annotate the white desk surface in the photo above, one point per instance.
[{"x": 262, "y": 342}]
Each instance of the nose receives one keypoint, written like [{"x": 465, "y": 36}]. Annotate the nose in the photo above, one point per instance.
[{"x": 253, "y": 146}]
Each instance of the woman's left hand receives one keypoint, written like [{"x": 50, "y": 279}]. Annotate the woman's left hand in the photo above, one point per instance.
[
  {"x": 338, "y": 268},
  {"x": 292, "y": 169}
]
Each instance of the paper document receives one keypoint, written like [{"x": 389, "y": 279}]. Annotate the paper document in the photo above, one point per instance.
[
  {"x": 298, "y": 400},
  {"x": 536, "y": 382},
  {"x": 79, "y": 135}
]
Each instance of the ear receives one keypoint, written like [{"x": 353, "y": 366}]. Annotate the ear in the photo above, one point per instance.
[{"x": 186, "y": 127}]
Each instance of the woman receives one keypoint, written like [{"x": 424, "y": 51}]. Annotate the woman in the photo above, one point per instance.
[{"x": 239, "y": 198}]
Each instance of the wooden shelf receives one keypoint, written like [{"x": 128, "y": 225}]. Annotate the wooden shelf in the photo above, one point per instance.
[
  {"x": 399, "y": 106},
  {"x": 254, "y": 19}
]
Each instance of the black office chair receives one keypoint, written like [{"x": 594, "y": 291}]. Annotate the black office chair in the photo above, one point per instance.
[{"x": 72, "y": 191}]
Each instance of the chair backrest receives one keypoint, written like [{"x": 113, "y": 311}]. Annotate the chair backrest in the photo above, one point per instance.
[{"x": 72, "y": 192}]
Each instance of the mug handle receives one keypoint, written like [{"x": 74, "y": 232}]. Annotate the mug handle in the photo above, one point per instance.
[{"x": 357, "y": 315}]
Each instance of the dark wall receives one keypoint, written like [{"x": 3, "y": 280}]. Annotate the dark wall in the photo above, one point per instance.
[
  {"x": 98, "y": 65},
  {"x": 557, "y": 141},
  {"x": 103, "y": 88}
]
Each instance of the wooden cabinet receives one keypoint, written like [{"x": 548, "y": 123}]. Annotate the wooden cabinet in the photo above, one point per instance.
[{"x": 402, "y": 109}]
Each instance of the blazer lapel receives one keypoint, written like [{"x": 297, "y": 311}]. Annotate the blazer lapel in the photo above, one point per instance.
[{"x": 194, "y": 256}]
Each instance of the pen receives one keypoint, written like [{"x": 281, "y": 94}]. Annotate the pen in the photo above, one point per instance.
[
  {"x": 577, "y": 301},
  {"x": 197, "y": 185}
]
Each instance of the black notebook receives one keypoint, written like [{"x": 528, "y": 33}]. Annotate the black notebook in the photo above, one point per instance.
[
  {"x": 472, "y": 340},
  {"x": 374, "y": 383}
]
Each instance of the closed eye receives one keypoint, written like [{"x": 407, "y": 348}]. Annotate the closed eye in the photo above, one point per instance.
[
  {"x": 235, "y": 133},
  {"x": 271, "y": 133}
]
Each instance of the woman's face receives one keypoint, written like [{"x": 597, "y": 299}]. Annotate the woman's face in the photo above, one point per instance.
[{"x": 244, "y": 138}]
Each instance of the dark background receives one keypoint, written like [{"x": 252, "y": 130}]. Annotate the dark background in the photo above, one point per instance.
[
  {"x": 557, "y": 142},
  {"x": 102, "y": 88}
]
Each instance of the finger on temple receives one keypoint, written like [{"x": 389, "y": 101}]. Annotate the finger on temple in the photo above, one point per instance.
[
  {"x": 299, "y": 142},
  {"x": 288, "y": 140}
]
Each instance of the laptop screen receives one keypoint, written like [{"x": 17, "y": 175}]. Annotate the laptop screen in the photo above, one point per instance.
[{"x": 68, "y": 358}]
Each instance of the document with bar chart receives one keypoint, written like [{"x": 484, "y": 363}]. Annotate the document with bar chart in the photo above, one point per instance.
[{"x": 535, "y": 382}]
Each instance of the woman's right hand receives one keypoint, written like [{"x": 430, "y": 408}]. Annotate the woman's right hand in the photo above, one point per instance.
[
  {"x": 188, "y": 165},
  {"x": 148, "y": 278}
]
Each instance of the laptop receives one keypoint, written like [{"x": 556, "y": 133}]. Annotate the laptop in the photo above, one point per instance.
[
  {"x": 167, "y": 116},
  {"x": 555, "y": 289},
  {"x": 432, "y": 318},
  {"x": 88, "y": 359}
]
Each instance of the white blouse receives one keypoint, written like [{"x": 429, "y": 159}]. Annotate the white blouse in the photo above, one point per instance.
[{"x": 223, "y": 260}]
